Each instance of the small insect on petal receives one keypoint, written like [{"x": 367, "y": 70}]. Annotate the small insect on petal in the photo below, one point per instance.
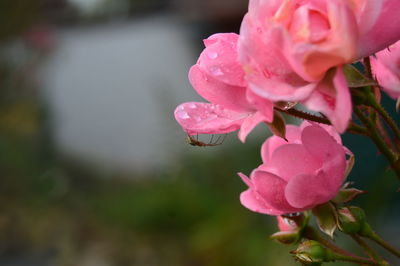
[{"x": 196, "y": 142}]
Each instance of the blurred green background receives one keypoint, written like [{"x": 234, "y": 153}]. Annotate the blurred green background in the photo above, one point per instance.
[{"x": 66, "y": 198}]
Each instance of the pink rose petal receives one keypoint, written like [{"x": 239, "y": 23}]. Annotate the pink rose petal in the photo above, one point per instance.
[{"x": 207, "y": 118}]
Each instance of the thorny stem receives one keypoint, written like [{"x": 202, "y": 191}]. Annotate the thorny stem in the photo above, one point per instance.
[
  {"x": 353, "y": 128},
  {"x": 368, "y": 250},
  {"x": 376, "y": 138},
  {"x": 384, "y": 114},
  {"x": 357, "y": 260},
  {"x": 379, "y": 108},
  {"x": 304, "y": 115},
  {"x": 367, "y": 67}
]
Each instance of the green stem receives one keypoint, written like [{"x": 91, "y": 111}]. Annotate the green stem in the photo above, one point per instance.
[
  {"x": 312, "y": 234},
  {"x": 367, "y": 67},
  {"x": 356, "y": 260},
  {"x": 376, "y": 138},
  {"x": 356, "y": 129},
  {"x": 353, "y": 128},
  {"x": 384, "y": 114},
  {"x": 368, "y": 250},
  {"x": 375, "y": 237}
]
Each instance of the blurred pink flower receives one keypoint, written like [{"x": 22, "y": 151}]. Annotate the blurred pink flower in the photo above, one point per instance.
[
  {"x": 297, "y": 175},
  {"x": 219, "y": 78},
  {"x": 386, "y": 68}
]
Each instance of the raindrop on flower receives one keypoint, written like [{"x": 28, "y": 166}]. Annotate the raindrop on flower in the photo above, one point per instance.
[
  {"x": 212, "y": 55},
  {"x": 182, "y": 115}
]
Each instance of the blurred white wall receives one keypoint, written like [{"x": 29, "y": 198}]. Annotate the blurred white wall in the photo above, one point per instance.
[{"x": 112, "y": 90}]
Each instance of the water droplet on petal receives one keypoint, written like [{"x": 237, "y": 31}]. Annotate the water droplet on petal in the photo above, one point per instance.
[
  {"x": 182, "y": 115},
  {"x": 192, "y": 106},
  {"x": 216, "y": 71},
  {"x": 212, "y": 55}
]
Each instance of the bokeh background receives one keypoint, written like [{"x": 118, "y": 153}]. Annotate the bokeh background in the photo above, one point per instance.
[{"x": 94, "y": 171}]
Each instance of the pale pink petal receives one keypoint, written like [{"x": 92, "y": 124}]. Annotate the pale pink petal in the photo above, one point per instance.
[
  {"x": 330, "y": 129},
  {"x": 267, "y": 71},
  {"x": 217, "y": 92},
  {"x": 207, "y": 118},
  {"x": 387, "y": 79},
  {"x": 264, "y": 106},
  {"x": 332, "y": 98},
  {"x": 318, "y": 141},
  {"x": 334, "y": 167},
  {"x": 385, "y": 30},
  {"x": 293, "y": 159},
  {"x": 271, "y": 189},
  {"x": 323, "y": 146},
  {"x": 304, "y": 191},
  {"x": 279, "y": 89},
  {"x": 249, "y": 124},
  {"x": 219, "y": 59},
  {"x": 251, "y": 201},
  {"x": 311, "y": 59},
  {"x": 293, "y": 135},
  {"x": 390, "y": 58}
]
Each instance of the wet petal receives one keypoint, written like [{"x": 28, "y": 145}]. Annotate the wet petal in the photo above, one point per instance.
[
  {"x": 332, "y": 98},
  {"x": 217, "y": 92},
  {"x": 293, "y": 135},
  {"x": 271, "y": 188},
  {"x": 207, "y": 118},
  {"x": 220, "y": 60},
  {"x": 249, "y": 124}
]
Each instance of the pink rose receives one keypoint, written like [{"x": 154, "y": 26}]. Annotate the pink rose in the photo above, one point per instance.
[
  {"x": 386, "y": 68},
  {"x": 297, "y": 175},
  {"x": 316, "y": 35},
  {"x": 219, "y": 78},
  {"x": 294, "y": 50}
]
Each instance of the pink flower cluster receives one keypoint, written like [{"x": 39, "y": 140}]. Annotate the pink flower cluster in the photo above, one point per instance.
[{"x": 292, "y": 51}]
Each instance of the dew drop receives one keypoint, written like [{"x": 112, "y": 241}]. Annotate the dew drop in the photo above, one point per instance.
[
  {"x": 212, "y": 55},
  {"x": 182, "y": 115},
  {"x": 192, "y": 106},
  {"x": 216, "y": 71}
]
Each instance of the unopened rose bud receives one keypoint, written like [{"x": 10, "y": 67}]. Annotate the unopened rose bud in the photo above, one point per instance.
[
  {"x": 348, "y": 222},
  {"x": 352, "y": 220},
  {"x": 312, "y": 252}
]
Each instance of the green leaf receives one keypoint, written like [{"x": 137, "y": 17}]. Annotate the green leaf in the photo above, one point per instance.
[
  {"x": 347, "y": 194},
  {"x": 287, "y": 237},
  {"x": 349, "y": 165},
  {"x": 356, "y": 79},
  {"x": 326, "y": 215}
]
